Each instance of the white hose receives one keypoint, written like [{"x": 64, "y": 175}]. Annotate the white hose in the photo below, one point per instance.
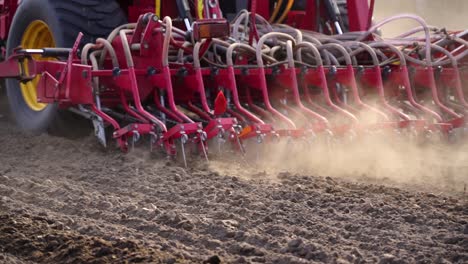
[{"x": 404, "y": 16}]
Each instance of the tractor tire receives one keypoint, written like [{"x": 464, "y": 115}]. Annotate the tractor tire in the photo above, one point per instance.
[{"x": 39, "y": 23}]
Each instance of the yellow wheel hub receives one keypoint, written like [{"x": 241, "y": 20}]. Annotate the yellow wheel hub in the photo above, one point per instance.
[{"x": 37, "y": 35}]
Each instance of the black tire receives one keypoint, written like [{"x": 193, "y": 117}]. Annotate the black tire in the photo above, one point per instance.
[
  {"x": 65, "y": 19},
  {"x": 4, "y": 111}
]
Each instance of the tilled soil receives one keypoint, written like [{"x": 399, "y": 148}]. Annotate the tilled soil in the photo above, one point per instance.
[{"x": 69, "y": 201}]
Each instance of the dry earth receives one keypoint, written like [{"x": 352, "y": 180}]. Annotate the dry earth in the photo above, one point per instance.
[{"x": 68, "y": 201}]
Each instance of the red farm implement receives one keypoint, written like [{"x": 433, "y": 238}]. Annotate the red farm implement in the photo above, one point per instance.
[{"x": 180, "y": 72}]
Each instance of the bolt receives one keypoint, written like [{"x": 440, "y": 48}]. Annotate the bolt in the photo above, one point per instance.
[
  {"x": 116, "y": 71},
  {"x": 151, "y": 71}
]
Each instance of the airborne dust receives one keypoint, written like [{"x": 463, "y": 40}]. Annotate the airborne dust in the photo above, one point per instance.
[
  {"x": 378, "y": 157},
  {"x": 390, "y": 157}
]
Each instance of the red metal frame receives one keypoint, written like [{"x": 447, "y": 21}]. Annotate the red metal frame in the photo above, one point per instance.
[
  {"x": 7, "y": 11},
  {"x": 261, "y": 101}
]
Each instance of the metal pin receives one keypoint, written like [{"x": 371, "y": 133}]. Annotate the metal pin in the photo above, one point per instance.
[
  {"x": 221, "y": 139},
  {"x": 202, "y": 142},
  {"x": 239, "y": 143},
  {"x": 259, "y": 141},
  {"x": 153, "y": 141},
  {"x": 135, "y": 138},
  {"x": 183, "y": 141}
]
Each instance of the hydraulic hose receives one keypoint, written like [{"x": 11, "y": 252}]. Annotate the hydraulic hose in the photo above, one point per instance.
[
  {"x": 262, "y": 41},
  {"x": 111, "y": 38},
  {"x": 245, "y": 17},
  {"x": 403, "y": 16},
  {"x": 167, "y": 40}
]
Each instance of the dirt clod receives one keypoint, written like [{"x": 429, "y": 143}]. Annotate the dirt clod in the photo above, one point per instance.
[
  {"x": 295, "y": 243},
  {"x": 212, "y": 260}
]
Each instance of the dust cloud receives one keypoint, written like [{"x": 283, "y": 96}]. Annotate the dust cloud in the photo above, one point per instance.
[
  {"x": 406, "y": 158},
  {"x": 445, "y": 14},
  {"x": 420, "y": 162}
]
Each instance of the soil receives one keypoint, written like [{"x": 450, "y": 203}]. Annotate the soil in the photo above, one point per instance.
[{"x": 69, "y": 201}]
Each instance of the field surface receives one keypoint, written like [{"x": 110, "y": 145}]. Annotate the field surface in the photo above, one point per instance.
[{"x": 69, "y": 201}]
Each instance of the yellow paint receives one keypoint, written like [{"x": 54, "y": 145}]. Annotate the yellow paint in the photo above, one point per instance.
[
  {"x": 157, "y": 8},
  {"x": 200, "y": 8},
  {"x": 37, "y": 35}
]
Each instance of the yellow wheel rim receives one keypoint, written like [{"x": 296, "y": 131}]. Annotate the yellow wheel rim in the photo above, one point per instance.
[{"x": 37, "y": 35}]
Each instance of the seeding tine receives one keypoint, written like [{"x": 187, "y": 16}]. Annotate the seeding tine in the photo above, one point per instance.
[
  {"x": 99, "y": 130},
  {"x": 153, "y": 140},
  {"x": 349, "y": 79},
  {"x": 429, "y": 74},
  {"x": 262, "y": 79},
  {"x": 135, "y": 138},
  {"x": 220, "y": 140},
  {"x": 183, "y": 141},
  {"x": 133, "y": 79},
  {"x": 199, "y": 78},
  {"x": 240, "y": 145},
  {"x": 453, "y": 75},
  {"x": 260, "y": 140},
  {"x": 231, "y": 84},
  {"x": 97, "y": 121},
  {"x": 330, "y": 140},
  {"x": 377, "y": 75},
  {"x": 203, "y": 147},
  {"x": 319, "y": 79},
  {"x": 129, "y": 109},
  {"x": 294, "y": 87},
  {"x": 122, "y": 143},
  {"x": 401, "y": 76},
  {"x": 160, "y": 105}
]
